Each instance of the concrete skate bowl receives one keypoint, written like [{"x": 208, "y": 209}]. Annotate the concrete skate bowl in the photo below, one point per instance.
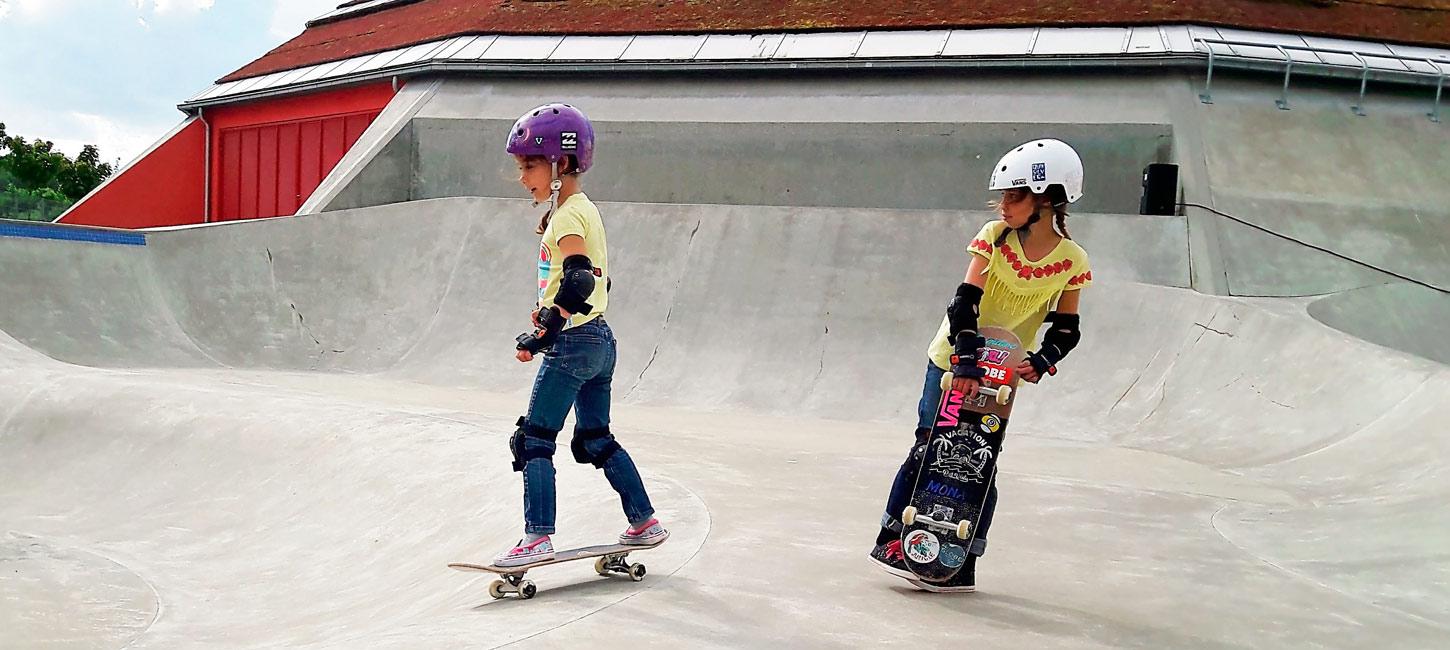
[
  {"x": 277, "y": 433},
  {"x": 1401, "y": 316}
]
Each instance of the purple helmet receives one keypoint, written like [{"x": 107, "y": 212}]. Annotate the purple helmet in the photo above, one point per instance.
[{"x": 554, "y": 131}]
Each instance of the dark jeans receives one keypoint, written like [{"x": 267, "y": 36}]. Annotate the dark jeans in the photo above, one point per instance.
[
  {"x": 905, "y": 480},
  {"x": 576, "y": 373}
]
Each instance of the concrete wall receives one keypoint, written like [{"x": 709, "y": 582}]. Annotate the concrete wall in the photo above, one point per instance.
[
  {"x": 867, "y": 165},
  {"x": 1367, "y": 188},
  {"x": 1361, "y": 186},
  {"x": 384, "y": 178},
  {"x": 916, "y": 141},
  {"x": 1371, "y": 188}
]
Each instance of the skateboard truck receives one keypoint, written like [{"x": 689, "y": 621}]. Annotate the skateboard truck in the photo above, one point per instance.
[
  {"x": 513, "y": 583},
  {"x": 619, "y": 563},
  {"x": 962, "y": 528},
  {"x": 1002, "y": 394}
]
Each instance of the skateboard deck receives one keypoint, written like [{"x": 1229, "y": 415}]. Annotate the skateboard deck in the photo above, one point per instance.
[
  {"x": 609, "y": 559},
  {"x": 959, "y": 463}
]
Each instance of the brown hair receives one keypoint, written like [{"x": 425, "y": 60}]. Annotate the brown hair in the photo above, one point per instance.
[{"x": 1055, "y": 198}]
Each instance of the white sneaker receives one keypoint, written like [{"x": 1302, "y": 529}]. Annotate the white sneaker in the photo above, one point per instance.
[
  {"x": 542, "y": 549},
  {"x": 648, "y": 533}
]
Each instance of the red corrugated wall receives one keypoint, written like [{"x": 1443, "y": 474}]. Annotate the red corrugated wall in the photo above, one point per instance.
[
  {"x": 270, "y": 156},
  {"x": 164, "y": 188},
  {"x": 267, "y": 159}
]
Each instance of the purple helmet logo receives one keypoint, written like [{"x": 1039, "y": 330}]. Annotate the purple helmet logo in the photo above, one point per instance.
[{"x": 554, "y": 131}]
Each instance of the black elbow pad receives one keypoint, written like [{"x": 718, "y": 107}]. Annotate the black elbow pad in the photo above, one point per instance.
[
  {"x": 577, "y": 285},
  {"x": 963, "y": 310},
  {"x": 1062, "y": 336}
]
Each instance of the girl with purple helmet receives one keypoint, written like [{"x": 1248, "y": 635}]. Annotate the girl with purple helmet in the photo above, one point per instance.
[
  {"x": 1025, "y": 271},
  {"x": 552, "y": 146}
]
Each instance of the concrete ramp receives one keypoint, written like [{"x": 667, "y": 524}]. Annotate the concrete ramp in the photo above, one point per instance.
[
  {"x": 793, "y": 301},
  {"x": 276, "y": 434}
]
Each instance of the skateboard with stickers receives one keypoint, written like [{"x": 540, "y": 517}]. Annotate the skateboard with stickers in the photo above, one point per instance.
[
  {"x": 608, "y": 559},
  {"x": 959, "y": 463}
]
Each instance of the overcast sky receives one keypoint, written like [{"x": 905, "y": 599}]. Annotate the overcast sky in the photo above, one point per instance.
[{"x": 111, "y": 72}]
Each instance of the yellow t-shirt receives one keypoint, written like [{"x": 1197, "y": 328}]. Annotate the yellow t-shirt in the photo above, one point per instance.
[
  {"x": 1019, "y": 293},
  {"x": 576, "y": 216}
]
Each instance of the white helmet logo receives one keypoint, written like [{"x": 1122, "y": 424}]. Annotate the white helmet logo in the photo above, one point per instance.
[{"x": 1038, "y": 165}]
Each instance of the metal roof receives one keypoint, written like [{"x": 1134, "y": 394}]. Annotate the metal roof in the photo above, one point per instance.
[
  {"x": 369, "y": 26},
  {"x": 1105, "y": 46}
]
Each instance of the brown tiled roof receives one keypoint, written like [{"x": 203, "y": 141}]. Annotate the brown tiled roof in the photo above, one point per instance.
[{"x": 1425, "y": 22}]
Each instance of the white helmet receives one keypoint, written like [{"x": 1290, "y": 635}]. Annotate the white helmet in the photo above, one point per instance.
[{"x": 1037, "y": 165}]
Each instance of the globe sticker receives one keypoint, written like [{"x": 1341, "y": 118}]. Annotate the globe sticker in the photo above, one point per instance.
[{"x": 953, "y": 556}]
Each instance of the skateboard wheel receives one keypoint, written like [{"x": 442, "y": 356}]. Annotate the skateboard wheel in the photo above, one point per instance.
[
  {"x": 636, "y": 572},
  {"x": 527, "y": 590},
  {"x": 495, "y": 589},
  {"x": 599, "y": 567},
  {"x": 908, "y": 516},
  {"x": 964, "y": 528},
  {"x": 1004, "y": 394}
]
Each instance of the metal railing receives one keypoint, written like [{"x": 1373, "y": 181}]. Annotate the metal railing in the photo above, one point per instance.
[{"x": 1283, "y": 101}]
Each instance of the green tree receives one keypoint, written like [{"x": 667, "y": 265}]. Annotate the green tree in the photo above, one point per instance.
[{"x": 39, "y": 183}]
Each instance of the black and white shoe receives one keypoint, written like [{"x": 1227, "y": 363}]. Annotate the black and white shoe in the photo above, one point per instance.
[
  {"x": 889, "y": 558},
  {"x": 964, "y": 582}
]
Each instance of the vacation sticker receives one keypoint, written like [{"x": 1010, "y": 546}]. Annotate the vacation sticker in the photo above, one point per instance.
[{"x": 961, "y": 456}]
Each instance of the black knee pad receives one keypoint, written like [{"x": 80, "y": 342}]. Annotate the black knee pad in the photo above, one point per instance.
[
  {"x": 581, "y": 453},
  {"x": 521, "y": 455}
]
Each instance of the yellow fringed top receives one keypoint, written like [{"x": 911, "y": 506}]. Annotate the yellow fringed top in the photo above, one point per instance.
[{"x": 1019, "y": 293}]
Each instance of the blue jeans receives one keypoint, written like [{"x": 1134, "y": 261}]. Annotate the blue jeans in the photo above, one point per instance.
[
  {"x": 905, "y": 480},
  {"x": 576, "y": 373}
]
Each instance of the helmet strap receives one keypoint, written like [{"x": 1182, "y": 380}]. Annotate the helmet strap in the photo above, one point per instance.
[{"x": 554, "y": 186}]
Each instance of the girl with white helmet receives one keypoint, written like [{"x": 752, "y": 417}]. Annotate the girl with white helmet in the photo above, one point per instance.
[
  {"x": 552, "y": 145},
  {"x": 1025, "y": 271}
]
